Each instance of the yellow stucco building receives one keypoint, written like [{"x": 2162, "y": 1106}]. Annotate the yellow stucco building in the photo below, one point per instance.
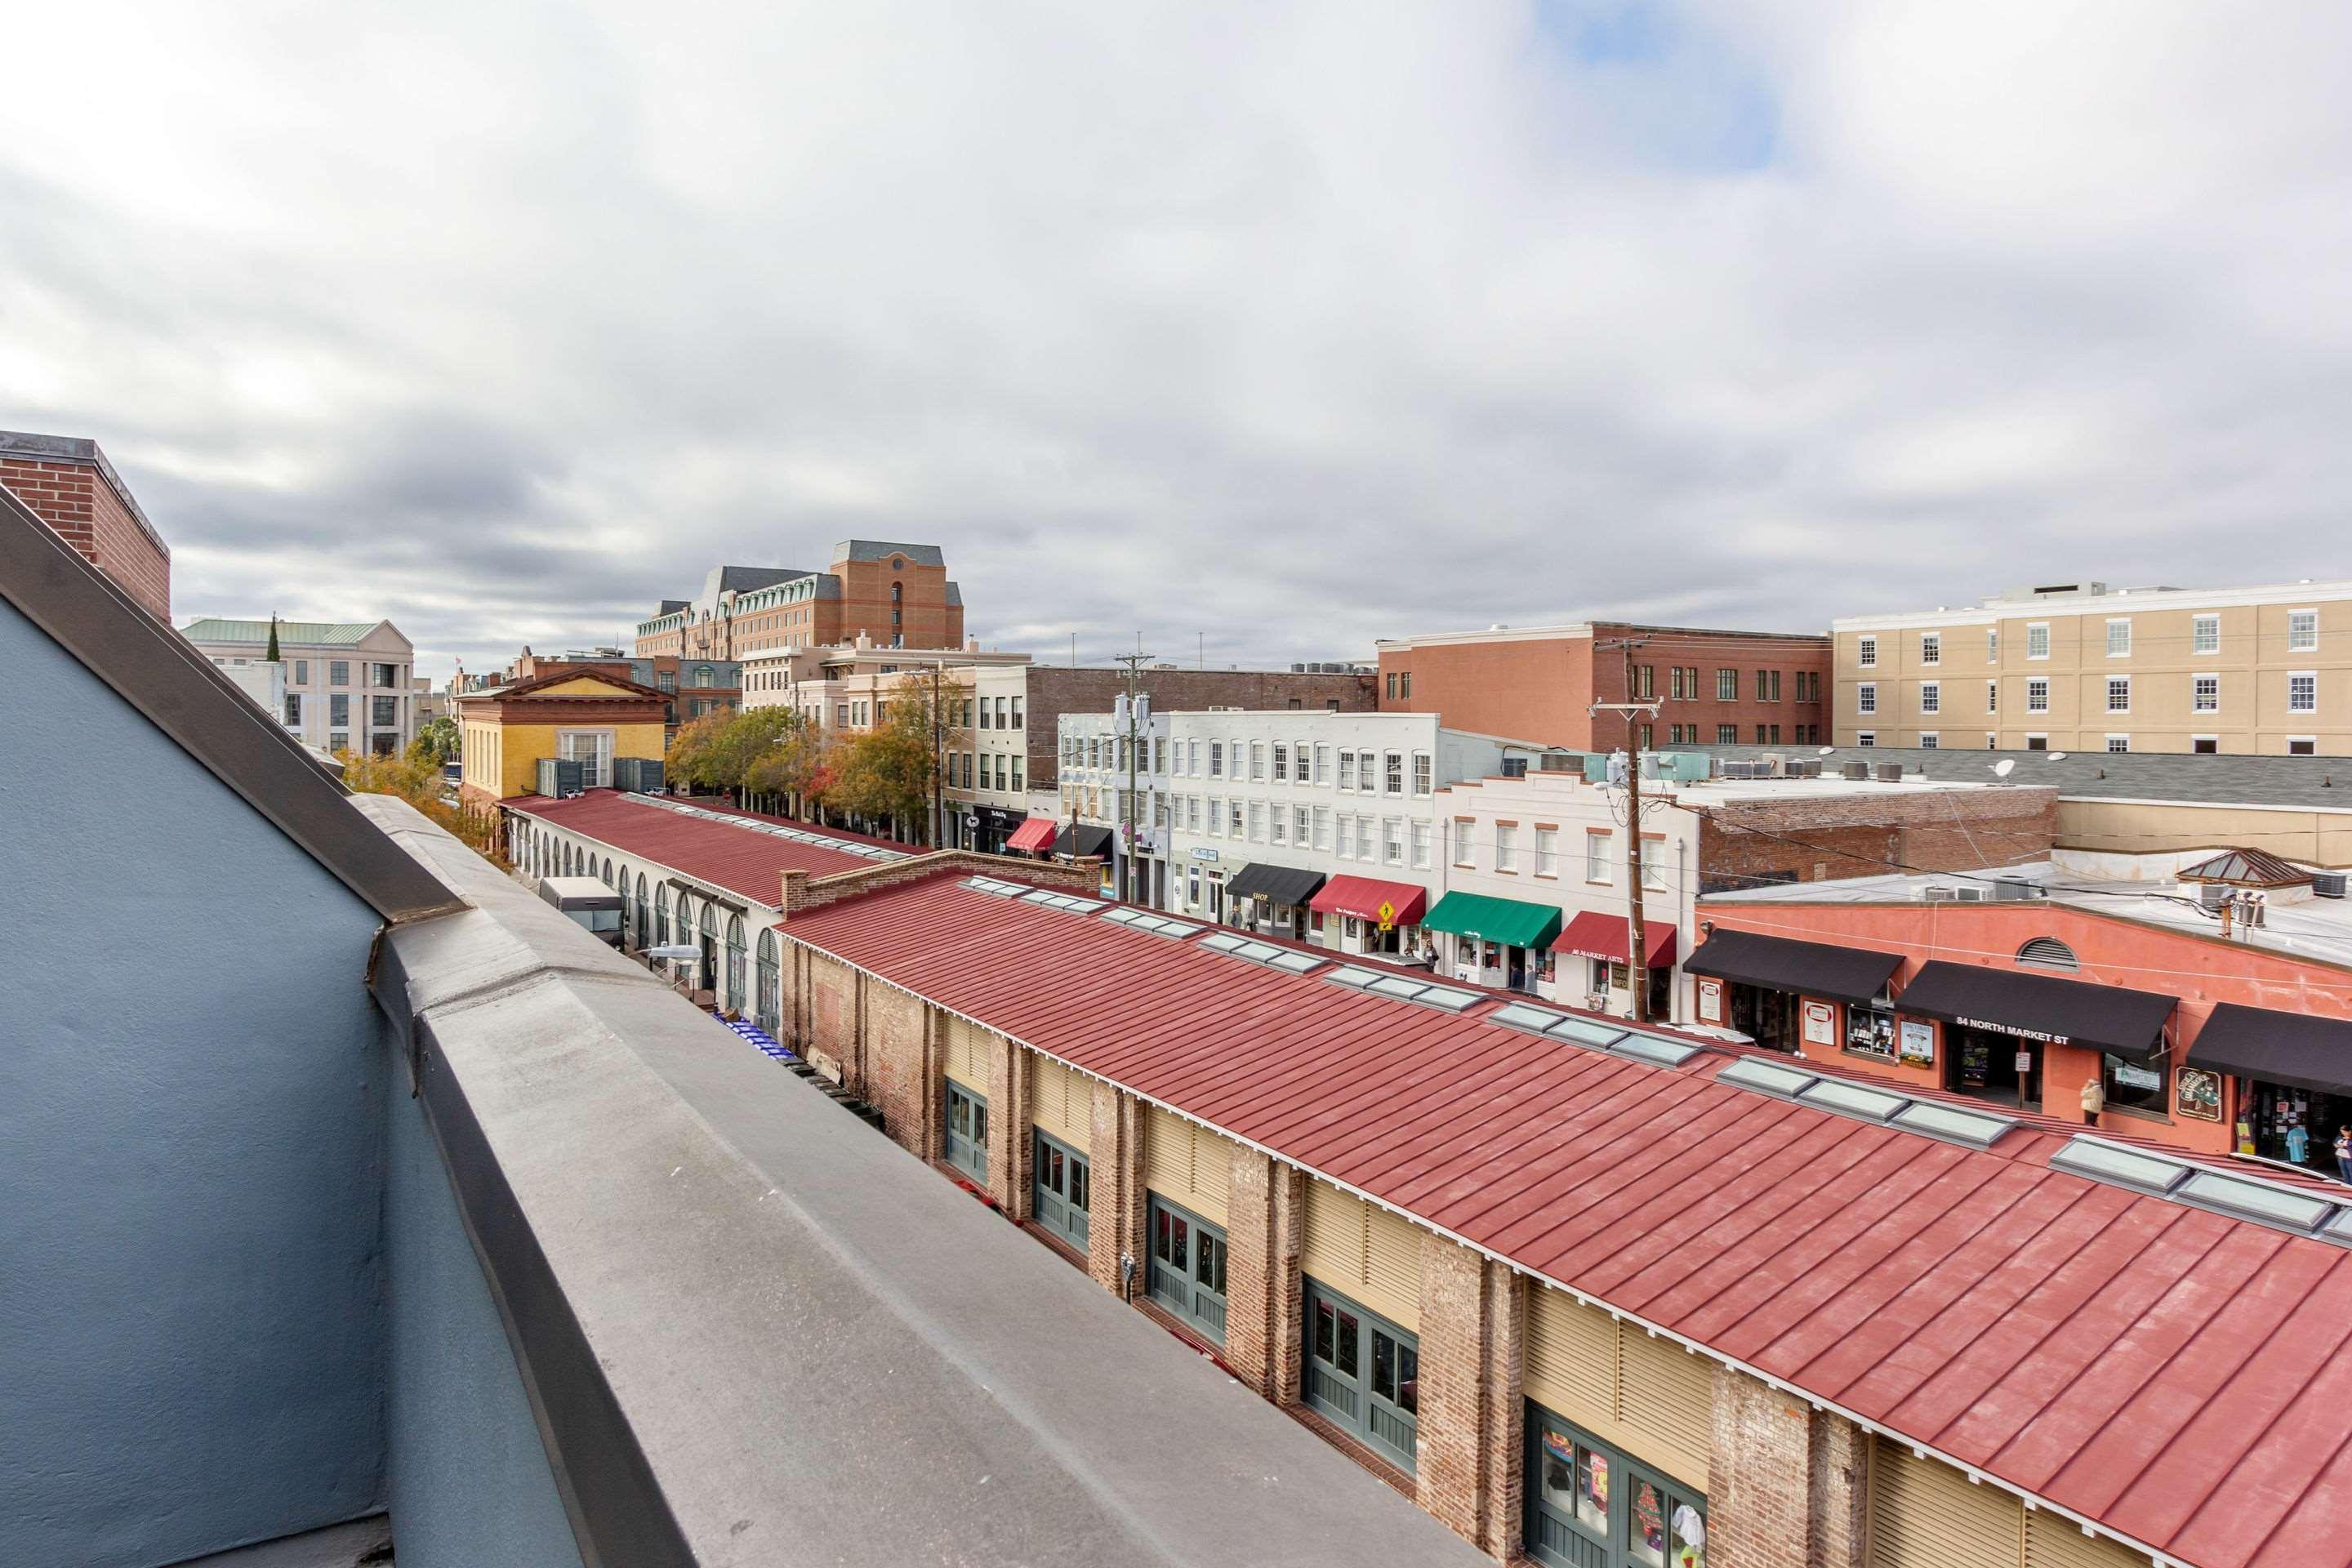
[{"x": 585, "y": 716}]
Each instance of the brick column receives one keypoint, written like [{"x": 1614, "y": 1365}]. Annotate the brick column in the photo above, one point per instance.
[
  {"x": 1470, "y": 1371},
  {"x": 1787, "y": 1486},
  {"x": 1114, "y": 1176},
  {"x": 1010, "y": 1148},
  {"x": 1506, "y": 1448},
  {"x": 1262, "y": 1300},
  {"x": 901, "y": 1068}
]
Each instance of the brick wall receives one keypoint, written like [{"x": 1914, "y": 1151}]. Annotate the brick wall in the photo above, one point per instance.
[
  {"x": 1787, "y": 1486},
  {"x": 1115, "y": 1191},
  {"x": 1472, "y": 1324},
  {"x": 1851, "y": 834},
  {"x": 1265, "y": 1207},
  {"x": 802, "y": 893},
  {"x": 1052, "y": 690},
  {"x": 78, "y": 500},
  {"x": 901, "y": 1058}
]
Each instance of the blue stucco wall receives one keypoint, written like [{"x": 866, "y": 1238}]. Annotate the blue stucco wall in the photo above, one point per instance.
[
  {"x": 470, "y": 1482},
  {"x": 191, "y": 1114}
]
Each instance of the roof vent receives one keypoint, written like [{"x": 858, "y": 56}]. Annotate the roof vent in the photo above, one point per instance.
[{"x": 2048, "y": 952}]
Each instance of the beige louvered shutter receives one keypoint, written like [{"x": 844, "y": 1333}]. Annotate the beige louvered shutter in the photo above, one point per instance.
[
  {"x": 1332, "y": 1248},
  {"x": 966, "y": 1063},
  {"x": 1392, "y": 1284},
  {"x": 1063, "y": 1103},
  {"x": 1571, "y": 1365},
  {"x": 2053, "y": 1542},
  {"x": 1186, "y": 1164},
  {"x": 1926, "y": 1514},
  {"x": 1667, "y": 1396}
]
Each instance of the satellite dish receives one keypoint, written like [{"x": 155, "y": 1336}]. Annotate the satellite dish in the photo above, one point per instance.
[
  {"x": 2057, "y": 756},
  {"x": 2004, "y": 768},
  {"x": 1825, "y": 750}
]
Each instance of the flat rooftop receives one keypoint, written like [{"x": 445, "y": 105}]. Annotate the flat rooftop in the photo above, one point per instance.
[{"x": 2318, "y": 783}]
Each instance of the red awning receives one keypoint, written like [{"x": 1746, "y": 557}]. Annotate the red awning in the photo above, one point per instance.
[
  {"x": 1363, "y": 897},
  {"x": 1036, "y": 835},
  {"x": 1595, "y": 935}
]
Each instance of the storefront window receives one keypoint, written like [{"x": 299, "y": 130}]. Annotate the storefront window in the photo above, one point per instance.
[
  {"x": 1593, "y": 1506},
  {"x": 1870, "y": 1030},
  {"x": 2134, "y": 1084}
]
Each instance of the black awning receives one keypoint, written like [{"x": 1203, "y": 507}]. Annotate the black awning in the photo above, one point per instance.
[
  {"x": 2041, "y": 1008},
  {"x": 1084, "y": 838},
  {"x": 1275, "y": 884},
  {"x": 2292, "y": 1049},
  {"x": 1783, "y": 963}
]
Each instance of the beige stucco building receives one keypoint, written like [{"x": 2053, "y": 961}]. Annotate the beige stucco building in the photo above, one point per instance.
[{"x": 2082, "y": 667}]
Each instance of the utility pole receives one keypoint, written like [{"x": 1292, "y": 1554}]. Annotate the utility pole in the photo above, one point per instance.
[
  {"x": 1637, "y": 977},
  {"x": 939, "y": 765},
  {"x": 1134, "y": 662}
]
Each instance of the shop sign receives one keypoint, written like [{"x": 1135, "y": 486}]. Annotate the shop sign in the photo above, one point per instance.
[
  {"x": 1918, "y": 1042},
  {"x": 1710, "y": 1000},
  {"x": 1204, "y": 854},
  {"x": 2014, "y": 1030},
  {"x": 1820, "y": 1024},
  {"x": 2131, "y": 1075},
  {"x": 2197, "y": 1093}
]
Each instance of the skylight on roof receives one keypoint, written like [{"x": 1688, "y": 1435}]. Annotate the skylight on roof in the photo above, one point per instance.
[
  {"x": 2257, "y": 1200},
  {"x": 1853, "y": 1099},
  {"x": 2126, "y": 1167},
  {"x": 1053, "y": 899},
  {"x": 1973, "y": 1128},
  {"x": 1144, "y": 919},
  {"x": 1586, "y": 1032},
  {"x": 991, "y": 885},
  {"x": 1520, "y": 1015},
  {"x": 1350, "y": 974},
  {"x": 1749, "y": 1073},
  {"x": 1652, "y": 1048},
  {"x": 1290, "y": 961}
]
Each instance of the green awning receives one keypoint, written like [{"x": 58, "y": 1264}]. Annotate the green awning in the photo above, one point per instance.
[{"x": 1507, "y": 921}]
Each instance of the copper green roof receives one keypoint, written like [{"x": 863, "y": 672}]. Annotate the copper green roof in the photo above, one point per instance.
[{"x": 311, "y": 633}]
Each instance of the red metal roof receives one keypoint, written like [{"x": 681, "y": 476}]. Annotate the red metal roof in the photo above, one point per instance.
[
  {"x": 1036, "y": 834},
  {"x": 1592, "y": 934},
  {"x": 2180, "y": 1377},
  {"x": 1364, "y": 896},
  {"x": 741, "y": 859}
]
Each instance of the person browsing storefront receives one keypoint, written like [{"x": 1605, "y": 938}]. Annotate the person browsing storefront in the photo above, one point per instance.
[{"x": 2094, "y": 1101}]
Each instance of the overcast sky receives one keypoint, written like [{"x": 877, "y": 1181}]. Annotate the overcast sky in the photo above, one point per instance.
[{"x": 1288, "y": 326}]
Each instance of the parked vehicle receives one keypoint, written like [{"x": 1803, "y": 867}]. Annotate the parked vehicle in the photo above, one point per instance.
[{"x": 588, "y": 902}]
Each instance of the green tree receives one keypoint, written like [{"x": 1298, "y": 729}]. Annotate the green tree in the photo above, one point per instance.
[
  {"x": 436, "y": 742},
  {"x": 719, "y": 750},
  {"x": 272, "y": 655},
  {"x": 891, "y": 770},
  {"x": 693, "y": 755},
  {"x": 794, "y": 762},
  {"x": 418, "y": 781}
]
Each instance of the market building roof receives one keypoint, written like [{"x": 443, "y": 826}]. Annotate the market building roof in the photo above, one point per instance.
[
  {"x": 2172, "y": 1374},
  {"x": 732, "y": 850}
]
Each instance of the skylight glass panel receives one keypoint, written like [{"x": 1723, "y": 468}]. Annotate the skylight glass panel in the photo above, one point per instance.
[
  {"x": 1749, "y": 1073},
  {"x": 2106, "y": 1163},
  {"x": 1346, "y": 974},
  {"x": 2340, "y": 1228},
  {"x": 1257, "y": 952},
  {"x": 1872, "y": 1104},
  {"x": 1447, "y": 997},
  {"x": 1651, "y": 1048},
  {"x": 1294, "y": 962},
  {"x": 2256, "y": 1200},
  {"x": 1177, "y": 929},
  {"x": 1585, "y": 1032},
  {"x": 1405, "y": 990},
  {"x": 1223, "y": 941},
  {"x": 1968, "y": 1127},
  {"x": 1520, "y": 1015},
  {"x": 1125, "y": 917}
]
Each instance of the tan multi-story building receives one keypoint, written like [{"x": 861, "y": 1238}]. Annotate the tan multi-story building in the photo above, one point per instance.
[
  {"x": 899, "y": 596},
  {"x": 2083, "y": 668}
]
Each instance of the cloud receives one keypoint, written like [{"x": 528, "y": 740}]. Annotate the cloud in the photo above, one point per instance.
[{"x": 1276, "y": 328}]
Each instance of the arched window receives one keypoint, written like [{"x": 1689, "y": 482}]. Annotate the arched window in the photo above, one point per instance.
[
  {"x": 767, "y": 1004},
  {"x": 608, "y": 871},
  {"x": 735, "y": 962},
  {"x": 644, "y": 912},
  {"x": 661, "y": 915},
  {"x": 567, "y": 857},
  {"x": 627, "y": 927},
  {"x": 2048, "y": 952}
]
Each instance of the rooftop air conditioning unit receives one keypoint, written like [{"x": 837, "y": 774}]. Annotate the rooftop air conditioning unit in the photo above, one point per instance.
[
  {"x": 1739, "y": 769},
  {"x": 1772, "y": 766},
  {"x": 2210, "y": 894},
  {"x": 1937, "y": 895},
  {"x": 1968, "y": 895},
  {"x": 1890, "y": 773},
  {"x": 2007, "y": 888},
  {"x": 1857, "y": 770},
  {"x": 2328, "y": 884}
]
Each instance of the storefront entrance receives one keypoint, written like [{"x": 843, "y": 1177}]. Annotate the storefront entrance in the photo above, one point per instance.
[
  {"x": 2273, "y": 1114},
  {"x": 1768, "y": 1018},
  {"x": 1989, "y": 1065}
]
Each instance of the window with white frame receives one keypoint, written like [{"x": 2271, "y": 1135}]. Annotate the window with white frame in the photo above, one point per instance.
[
  {"x": 1865, "y": 738},
  {"x": 1928, "y": 740},
  {"x": 1993, "y": 696},
  {"x": 1394, "y": 772},
  {"x": 1654, "y": 864},
  {"x": 1506, "y": 846},
  {"x": 2037, "y": 695},
  {"x": 1277, "y": 831},
  {"x": 1424, "y": 774},
  {"x": 1322, "y": 764},
  {"x": 2302, "y": 631},
  {"x": 1193, "y": 814},
  {"x": 1257, "y": 759},
  {"x": 1866, "y": 697},
  {"x": 1347, "y": 770},
  {"x": 1866, "y": 652},
  {"x": 2120, "y": 637},
  {"x": 1392, "y": 840},
  {"x": 1216, "y": 759},
  {"x": 2119, "y": 742},
  {"x": 1233, "y": 819},
  {"x": 1992, "y": 645},
  {"x": 1931, "y": 697},
  {"x": 1367, "y": 774},
  {"x": 1323, "y": 827},
  {"x": 1216, "y": 817},
  {"x": 1192, "y": 757},
  {"x": 1281, "y": 763},
  {"x": 1547, "y": 851},
  {"x": 1347, "y": 848},
  {"x": 2119, "y": 694},
  {"x": 1596, "y": 855},
  {"x": 2205, "y": 693},
  {"x": 2037, "y": 640},
  {"x": 1367, "y": 848},
  {"x": 1300, "y": 821},
  {"x": 2205, "y": 634},
  {"x": 1421, "y": 845},
  {"x": 2303, "y": 691},
  {"x": 1931, "y": 648},
  {"x": 1461, "y": 841}
]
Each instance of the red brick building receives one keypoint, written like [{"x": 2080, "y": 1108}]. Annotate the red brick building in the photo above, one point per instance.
[
  {"x": 1717, "y": 688},
  {"x": 70, "y": 486},
  {"x": 898, "y": 594}
]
